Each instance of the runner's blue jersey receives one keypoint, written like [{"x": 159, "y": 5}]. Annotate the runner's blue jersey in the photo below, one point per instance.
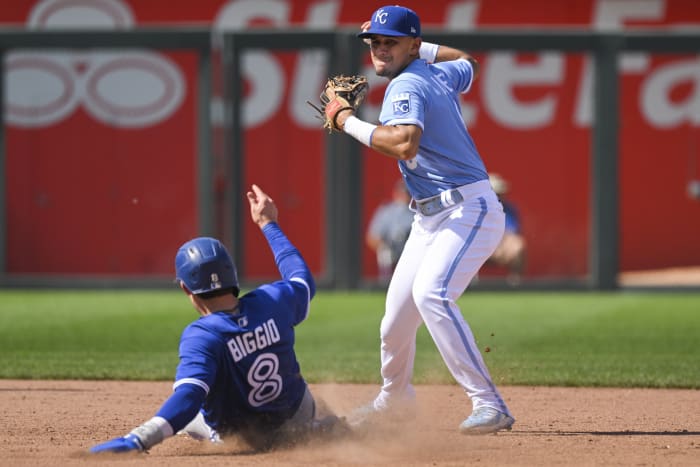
[
  {"x": 447, "y": 156},
  {"x": 245, "y": 361}
]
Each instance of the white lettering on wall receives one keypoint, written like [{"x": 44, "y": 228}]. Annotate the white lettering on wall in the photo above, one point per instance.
[
  {"x": 461, "y": 16},
  {"x": 312, "y": 66},
  {"x": 238, "y": 14},
  {"x": 67, "y": 14},
  {"x": 503, "y": 74},
  {"x": 43, "y": 89},
  {"x": 260, "y": 69},
  {"x": 129, "y": 89},
  {"x": 132, "y": 89},
  {"x": 265, "y": 77},
  {"x": 610, "y": 15},
  {"x": 655, "y": 96}
]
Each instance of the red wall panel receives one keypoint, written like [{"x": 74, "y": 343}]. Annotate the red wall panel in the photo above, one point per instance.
[
  {"x": 86, "y": 197},
  {"x": 72, "y": 182}
]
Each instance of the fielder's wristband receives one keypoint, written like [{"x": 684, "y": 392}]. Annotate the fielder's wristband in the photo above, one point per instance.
[
  {"x": 428, "y": 51},
  {"x": 360, "y": 130}
]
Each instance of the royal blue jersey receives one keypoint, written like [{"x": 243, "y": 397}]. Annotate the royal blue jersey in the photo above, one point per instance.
[
  {"x": 428, "y": 96},
  {"x": 243, "y": 362}
]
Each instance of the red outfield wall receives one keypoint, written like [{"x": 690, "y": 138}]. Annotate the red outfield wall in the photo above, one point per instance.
[{"x": 101, "y": 147}]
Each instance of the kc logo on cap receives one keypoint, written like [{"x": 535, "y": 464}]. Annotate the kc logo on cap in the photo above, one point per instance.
[
  {"x": 393, "y": 21},
  {"x": 380, "y": 16}
]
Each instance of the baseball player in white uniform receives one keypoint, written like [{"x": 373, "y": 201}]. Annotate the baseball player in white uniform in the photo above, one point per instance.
[{"x": 458, "y": 222}]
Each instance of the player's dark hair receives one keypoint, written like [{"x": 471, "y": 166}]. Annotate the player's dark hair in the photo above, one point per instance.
[{"x": 220, "y": 293}]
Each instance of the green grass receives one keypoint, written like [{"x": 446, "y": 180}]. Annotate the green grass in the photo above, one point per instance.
[
  {"x": 568, "y": 339},
  {"x": 91, "y": 334}
]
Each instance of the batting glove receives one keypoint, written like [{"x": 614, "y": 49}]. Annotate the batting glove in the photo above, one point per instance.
[{"x": 127, "y": 443}]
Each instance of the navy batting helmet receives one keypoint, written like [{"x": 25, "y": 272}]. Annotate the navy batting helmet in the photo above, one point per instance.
[{"x": 204, "y": 265}]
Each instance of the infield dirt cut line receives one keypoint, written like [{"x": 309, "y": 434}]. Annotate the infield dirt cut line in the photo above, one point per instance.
[{"x": 56, "y": 422}]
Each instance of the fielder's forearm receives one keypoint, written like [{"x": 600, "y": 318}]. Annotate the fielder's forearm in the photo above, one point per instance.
[{"x": 396, "y": 141}]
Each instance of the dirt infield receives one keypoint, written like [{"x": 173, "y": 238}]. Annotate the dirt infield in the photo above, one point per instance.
[
  {"x": 681, "y": 277},
  {"x": 55, "y": 422}
]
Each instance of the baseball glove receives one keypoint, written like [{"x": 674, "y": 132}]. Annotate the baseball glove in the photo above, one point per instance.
[{"x": 340, "y": 93}]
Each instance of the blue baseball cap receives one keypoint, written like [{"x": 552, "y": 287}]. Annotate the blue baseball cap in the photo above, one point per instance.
[{"x": 393, "y": 21}]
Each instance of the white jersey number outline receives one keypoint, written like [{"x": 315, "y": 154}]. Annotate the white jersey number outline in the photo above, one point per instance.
[{"x": 264, "y": 378}]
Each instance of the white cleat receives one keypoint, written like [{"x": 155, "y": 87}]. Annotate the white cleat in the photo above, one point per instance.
[
  {"x": 486, "y": 420},
  {"x": 369, "y": 414}
]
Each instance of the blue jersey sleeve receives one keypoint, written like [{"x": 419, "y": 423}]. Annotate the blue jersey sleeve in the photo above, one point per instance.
[
  {"x": 198, "y": 358},
  {"x": 182, "y": 406},
  {"x": 289, "y": 261},
  {"x": 404, "y": 103},
  {"x": 286, "y": 297},
  {"x": 458, "y": 73},
  {"x": 195, "y": 374}
]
